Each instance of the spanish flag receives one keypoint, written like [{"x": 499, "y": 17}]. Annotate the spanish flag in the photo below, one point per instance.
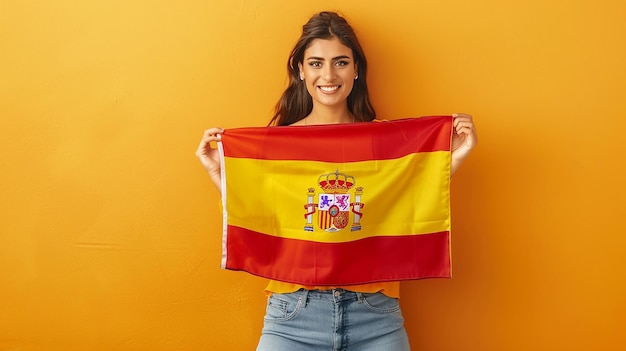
[{"x": 338, "y": 204}]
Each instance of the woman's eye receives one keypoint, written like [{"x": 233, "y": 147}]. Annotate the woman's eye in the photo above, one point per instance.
[
  {"x": 315, "y": 64},
  {"x": 341, "y": 63}
]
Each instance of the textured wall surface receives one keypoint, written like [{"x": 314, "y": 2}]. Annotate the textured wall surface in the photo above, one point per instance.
[{"x": 110, "y": 229}]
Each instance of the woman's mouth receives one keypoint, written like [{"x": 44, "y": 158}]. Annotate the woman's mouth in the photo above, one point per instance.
[{"x": 329, "y": 89}]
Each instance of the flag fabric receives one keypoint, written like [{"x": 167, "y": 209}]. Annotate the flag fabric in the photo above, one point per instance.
[{"x": 338, "y": 204}]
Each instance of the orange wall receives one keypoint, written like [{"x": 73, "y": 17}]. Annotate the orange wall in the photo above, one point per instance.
[{"x": 110, "y": 230}]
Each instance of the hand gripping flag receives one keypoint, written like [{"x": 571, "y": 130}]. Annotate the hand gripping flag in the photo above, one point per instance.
[{"x": 338, "y": 204}]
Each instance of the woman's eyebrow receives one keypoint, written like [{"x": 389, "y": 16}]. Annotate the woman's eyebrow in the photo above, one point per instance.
[{"x": 342, "y": 57}]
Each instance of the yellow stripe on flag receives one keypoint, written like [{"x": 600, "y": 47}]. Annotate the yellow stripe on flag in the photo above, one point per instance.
[{"x": 272, "y": 194}]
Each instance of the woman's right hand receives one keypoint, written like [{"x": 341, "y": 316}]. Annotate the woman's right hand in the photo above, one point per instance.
[{"x": 209, "y": 156}]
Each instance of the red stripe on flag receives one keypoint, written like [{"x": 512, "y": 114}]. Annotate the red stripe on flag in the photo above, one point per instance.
[
  {"x": 311, "y": 143},
  {"x": 381, "y": 258}
]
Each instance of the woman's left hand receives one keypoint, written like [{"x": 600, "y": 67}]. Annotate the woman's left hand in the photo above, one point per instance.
[{"x": 464, "y": 139}]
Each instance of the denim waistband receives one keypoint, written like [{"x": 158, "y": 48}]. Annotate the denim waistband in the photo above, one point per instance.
[{"x": 331, "y": 295}]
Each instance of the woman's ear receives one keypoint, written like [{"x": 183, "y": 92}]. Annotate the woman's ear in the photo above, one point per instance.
[{"x": 300, "y": 71}]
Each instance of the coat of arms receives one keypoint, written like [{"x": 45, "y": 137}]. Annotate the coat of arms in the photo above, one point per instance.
[{"x": 337, "y": 200}]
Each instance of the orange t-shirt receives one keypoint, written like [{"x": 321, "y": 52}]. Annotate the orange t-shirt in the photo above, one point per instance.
[{"x": 391, "y": 289}]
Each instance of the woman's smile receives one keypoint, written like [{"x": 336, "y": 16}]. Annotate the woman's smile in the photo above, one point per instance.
[{"x": 329, "y": 89}]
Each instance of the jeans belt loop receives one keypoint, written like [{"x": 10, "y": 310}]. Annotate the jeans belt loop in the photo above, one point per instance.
[
  {"x": 359, "y": 297},
  {"x": 304, "y": 297}
]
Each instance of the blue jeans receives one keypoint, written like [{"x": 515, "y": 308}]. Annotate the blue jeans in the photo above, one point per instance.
[{"x": 333, "y": 320}]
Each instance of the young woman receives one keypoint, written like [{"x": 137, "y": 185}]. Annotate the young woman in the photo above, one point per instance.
[{"x": 327, "y": 85}]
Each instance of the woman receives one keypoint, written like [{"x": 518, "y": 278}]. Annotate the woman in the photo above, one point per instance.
[{"x": 327, "y": 85}]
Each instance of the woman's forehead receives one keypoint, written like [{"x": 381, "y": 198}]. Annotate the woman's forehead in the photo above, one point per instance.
[{"x": 327, "y": 48}]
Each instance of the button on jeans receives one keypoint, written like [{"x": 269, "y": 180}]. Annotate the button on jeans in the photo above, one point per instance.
[{"x": 333, "y": 320}]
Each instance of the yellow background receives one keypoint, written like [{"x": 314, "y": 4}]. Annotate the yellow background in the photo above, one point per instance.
[{"x": 110, "y": 229}]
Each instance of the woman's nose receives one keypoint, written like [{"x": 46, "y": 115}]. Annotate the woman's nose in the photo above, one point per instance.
[{"x": 328, "y": 72}]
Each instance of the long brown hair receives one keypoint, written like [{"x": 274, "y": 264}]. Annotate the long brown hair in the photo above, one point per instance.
[{"x": 296, "y": 103}]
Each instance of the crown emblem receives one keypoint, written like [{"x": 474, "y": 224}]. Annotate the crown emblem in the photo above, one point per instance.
[{"x": 335, "y": 183}]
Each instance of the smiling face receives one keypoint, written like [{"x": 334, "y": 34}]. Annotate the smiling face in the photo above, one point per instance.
[{"x": 328, "y": 70}]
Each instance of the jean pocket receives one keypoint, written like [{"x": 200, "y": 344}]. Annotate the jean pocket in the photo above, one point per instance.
[
  {"x": 281, "y": 307},
  {"x": 381, "y": 303}
]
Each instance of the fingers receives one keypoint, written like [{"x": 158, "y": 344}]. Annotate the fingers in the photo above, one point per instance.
[
  {"x": 210, "y": 135},
  {"x": 464, "y": 126},
  {"x": 213, "y": 132},
  {"x": 462, "y": 120}
]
